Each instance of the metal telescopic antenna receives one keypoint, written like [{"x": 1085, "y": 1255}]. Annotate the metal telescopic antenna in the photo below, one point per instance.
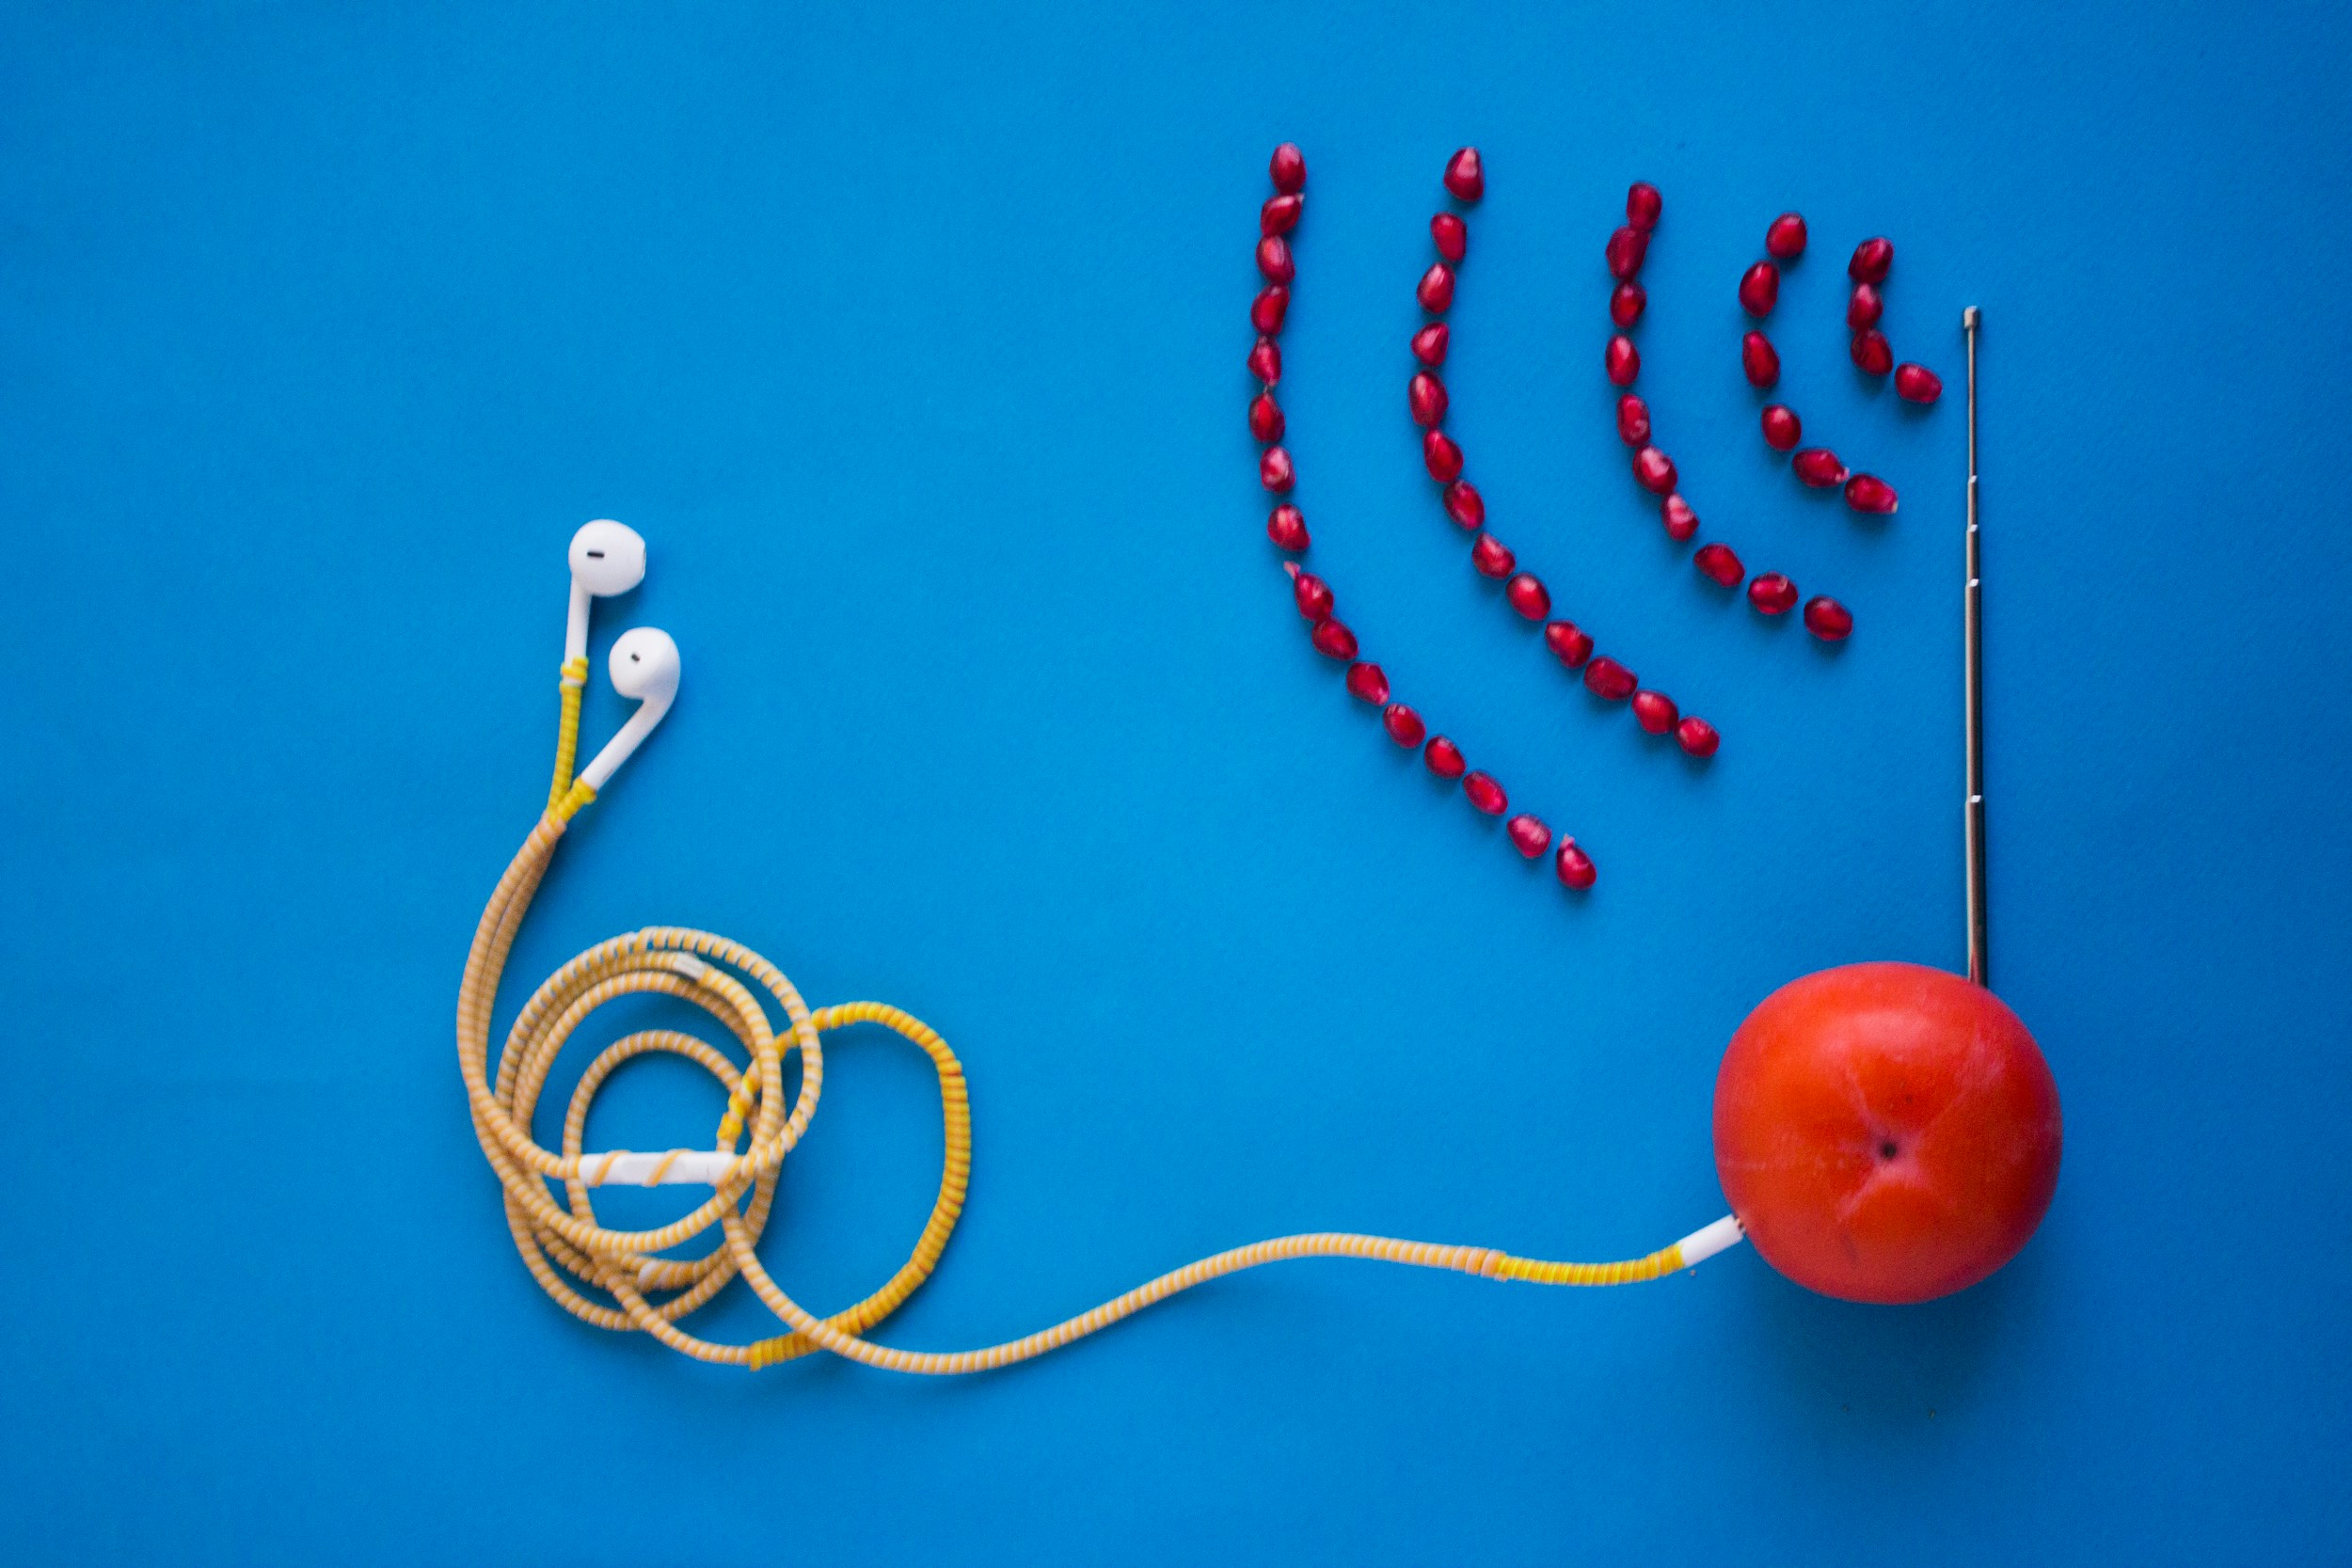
[{"x": 1973, "y": 640}]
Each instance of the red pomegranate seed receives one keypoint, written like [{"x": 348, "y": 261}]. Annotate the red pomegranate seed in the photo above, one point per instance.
[
  {"x": 1444, "y": 757},
  {"x": 1451, "y": 234},
  {"x": 1784, "y": 239},
  {"x": 1759, "y": 359},
  {"x": 1333, "y": 640},
  {"x": 1274, "y": 259},
  {"x": 1632, "y": 421},
  {"x": 1266, "y": 360},
  {"x": 1655, "y": 471},
  {"x": 1772, "y": 594},
  {"x": 1529, "y": 835},
  {"x": 1626, "y": 302},
  {"x": 1464, "y": 504},
  {"x": 1273, "y": 470},
  {"x": 1443, "y": 458},
  {"x": 1655, "y": 712},
  {"x": 1718, "y": 562},
  {"x": 1681, "y": 522},
  {"x": 1429, "y": 344},
  {"x": 1644, "y": 205},
  {"x": 1425, "y": 395},
  {"x": 1492, "y": 557},
  {"x": 1369, "y": 683},
  {"x": 1403, "y": 725},
  {"x": 1268, "y": 310},
  {"x": 1818, "y": 466},
  {"x": 1871, "y": 261},
  {"x": 1484, "y": 793},
  {"x": 1873, "y": 353},
  {"x": 1575, "y": 866},
  {"x": 1280, "y": 215},
  {"x": 1287, "y": 528},
  {"x": 1266, "y": 417},
  {"x": 1289, "y": 169},
  {"x": 1622, "y": 360},
  {"x": 1624, "y": 253},
  {"x": 1760, "y": 288},
  {"x": 1312, "y": 593},
  {"x": 1437, "y": 287},
  {"x": 1605, "y": 678},
  {"x": 1869, "y": 493},
  {"x": 1917, "y": 384},
  {"x": 1782, "y": 428},
  {"x": 1568, "y": 644},
  {"x": 1464, "y": 177},
  {"x": 1698, "y": 737},
  {"x": 1864, "y": 307},
  {"x": 1528, "y": 595},
  {"x": 1828, "y": 619}
]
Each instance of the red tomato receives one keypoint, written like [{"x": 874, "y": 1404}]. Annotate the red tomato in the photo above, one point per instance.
[{"x": 1885, "y": 1132}]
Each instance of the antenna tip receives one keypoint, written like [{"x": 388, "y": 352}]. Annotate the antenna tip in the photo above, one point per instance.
[{"x": 1970, "y": 318}]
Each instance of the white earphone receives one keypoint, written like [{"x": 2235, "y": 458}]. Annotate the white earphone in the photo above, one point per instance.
[{"x": 609, "y": 558}]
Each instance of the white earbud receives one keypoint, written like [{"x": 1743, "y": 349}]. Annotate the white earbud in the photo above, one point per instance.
[
  {"x": 644, "y": 665},
  {"x": 608, "y": 558}
]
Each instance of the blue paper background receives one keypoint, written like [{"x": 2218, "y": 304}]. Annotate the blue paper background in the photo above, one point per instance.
[{"x": 912, "y": 339}]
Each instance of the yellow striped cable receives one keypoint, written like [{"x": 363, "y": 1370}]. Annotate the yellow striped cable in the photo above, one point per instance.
[{"x": 562, "y": 1245}]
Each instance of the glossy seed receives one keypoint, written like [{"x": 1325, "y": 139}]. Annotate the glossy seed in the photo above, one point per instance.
[
  {"x": 1625, "y": 250},
  {"x": 1772, "y": 594},
  {"x": 1760, "y": 288},
  {"x": 1464, "y": 504},
  {"x": 1274, "y": 259},
  {"x": 1681, "y": 522},
  {"x": 1440, "y": 456},
  {"x": 1268, "y": 310},
  {"x": 1871, "y": 261},
  {"x": 1626, "y": 302},
  {"x": 1644, "y": 205},
  {"x": 1528, "y": 595},
  {"x": 1697, "y": 736},
  {"x": 1333, "y": 640},
  {"x": 1575, "y": 866},
  {"x": 1273, "y": 470},
  {"x": 1486, "y": 793},
  {"x": 1437, "y": 287},
  {"x": 1828, "y": 619},
  {"x": 1368, "y": 683},
  {"x": 1529, "y": 835},
  {"x": 1403, "y": 725},
  {"x": 1917, "y": 384},
  {"x": 1289, "y": 169},
  {"x": 1429, "y": 344},
  {"x": 1266, "y": 360},
  {"x": 1759, "y": 359},
  {"x": 1425, "y": 397},
  {"x": 1655, "y": 471},
  {"x": 1871, "y": 352},
  {"x": 1444, "y": 757},
  {"x": 1632, "y": 421},
  {"x": 1869, "y": 493},
  {"x": 1280, "y": 215},
  {"x": 1567, "y": 644},
  {"x": 1718, "y": 562},
  {"x": 1655, "y": 712},
  {"x": 1310, "y": 593},
  {"x": 1818, "y": 466},
  {"x": 1492, "y": 557},
  {"x": 1451, "y": 234},
  {"x": 1622, "y": 360},
  {"x": 1864, "y": 307},
  {"x": 1782, "y": 428},
  {"x": 1287, "y": 527},
  {"x": 1266, "y": 417},
  {"x": 1605, "y": 678},
  {"x": 1464, "y": 176},
  {"x": 1784, "y": 239}
]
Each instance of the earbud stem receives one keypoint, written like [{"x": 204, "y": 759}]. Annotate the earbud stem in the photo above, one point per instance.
[
  {"x": 633, "y": 735},
  {"x": 576, "y": 634}
]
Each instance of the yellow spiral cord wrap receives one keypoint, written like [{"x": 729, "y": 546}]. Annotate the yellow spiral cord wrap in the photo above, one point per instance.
[{"x": 563, "y": 1244}]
